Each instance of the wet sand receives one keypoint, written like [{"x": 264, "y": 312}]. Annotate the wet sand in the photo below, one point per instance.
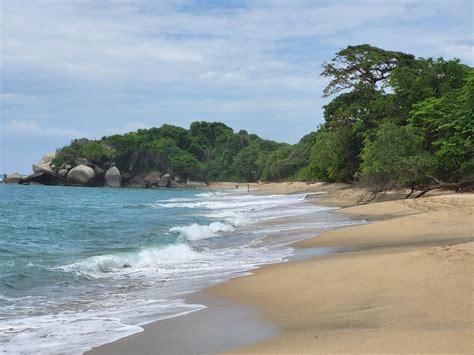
[{"x": 405, "y": 286}]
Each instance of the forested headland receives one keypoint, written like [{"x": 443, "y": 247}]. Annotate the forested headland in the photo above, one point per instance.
[{"x": 395, "y": 120}]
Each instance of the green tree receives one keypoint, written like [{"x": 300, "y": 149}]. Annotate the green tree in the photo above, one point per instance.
[
  {"x": 362, "y": 64},
  {"x": 395, "y": 158},
  {"x": 334, "y": 156},
  {"x": 447, "y": 126}
]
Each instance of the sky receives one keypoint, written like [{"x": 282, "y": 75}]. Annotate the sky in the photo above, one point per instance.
[{"x": 89, "y": 68}]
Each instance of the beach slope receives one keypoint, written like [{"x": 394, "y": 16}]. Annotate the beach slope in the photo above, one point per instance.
[{"x": 406, "y": 286}]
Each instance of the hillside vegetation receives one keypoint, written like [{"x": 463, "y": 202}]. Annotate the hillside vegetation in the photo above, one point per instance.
[{"x": 394, "y": 120}]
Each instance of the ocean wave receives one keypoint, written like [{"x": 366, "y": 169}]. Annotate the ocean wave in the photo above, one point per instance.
[
  {"x": 197, "y": 231},
  {"x": 147, "y": 258},
  {"x": 239, "y": 203}
]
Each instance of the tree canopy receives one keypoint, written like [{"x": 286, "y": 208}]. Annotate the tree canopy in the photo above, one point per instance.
[{"x": 395, "y": 120}]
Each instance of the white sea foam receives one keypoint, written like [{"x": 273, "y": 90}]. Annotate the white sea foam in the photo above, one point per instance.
[
  {"x": 127, "y": 283},
  {"x": 147, "y": 258},
  {"x": 196, "y": 231}
]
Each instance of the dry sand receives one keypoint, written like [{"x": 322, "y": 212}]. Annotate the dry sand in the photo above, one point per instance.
[{"x": 407, "y": 286}]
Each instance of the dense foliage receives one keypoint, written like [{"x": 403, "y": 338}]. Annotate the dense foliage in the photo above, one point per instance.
[
  {"x": 207, "y": 151},
  {"x": 396, "y": 119}
]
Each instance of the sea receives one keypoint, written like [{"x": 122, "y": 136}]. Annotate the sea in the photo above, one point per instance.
[{"x": 81, "y": 267}]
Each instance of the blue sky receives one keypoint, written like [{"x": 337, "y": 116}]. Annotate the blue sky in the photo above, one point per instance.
[{"x": 74, "y": 68}]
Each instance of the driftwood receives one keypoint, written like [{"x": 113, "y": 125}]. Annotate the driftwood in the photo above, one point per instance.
[
  {"x": 379, "y": 191},
  {"x": 456, "y": 186}
]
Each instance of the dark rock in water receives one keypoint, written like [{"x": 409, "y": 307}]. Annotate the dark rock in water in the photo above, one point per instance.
[
  {"x": 81, "y": 175},
  {"x": 175, "y": 185},
  {"x": 13, "y": 178},
  {"x": 113, "y": 177},
  {"x": 82, "y": 161},
  {"x": 43, "y": 179},
  {"x": 126, "y": 265},
  {"x": 164, "y": 181}
]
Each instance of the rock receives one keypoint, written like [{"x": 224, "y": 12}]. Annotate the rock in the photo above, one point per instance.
[
  {"x": 81, "y": 175},
  {"x": 13, "y": 178},
  {"x": 68, "y": 167},
  {"x": 137, "y": 181},
  {"x": 113, "y": 177},
  {"x": 62, "y": 173},
  {"x": 47, "y": 159},
  {"x": 179, "y": 179},
  {"x": 164, "y": 180},
  {"x": 195, "y": 184},
  {"x": 152, "y": 179},
  {"x": 82, "y": 161},
  {"x": 42, "y": 168},
  {"x": 43, "y": 179},
  {"x": 99, "y": 175},
  {"x": 175, "y": 185}
]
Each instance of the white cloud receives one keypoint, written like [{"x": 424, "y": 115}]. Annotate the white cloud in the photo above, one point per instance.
[
  {"x": 108, "y": 66},
  {"x": 31, "y": 128}
]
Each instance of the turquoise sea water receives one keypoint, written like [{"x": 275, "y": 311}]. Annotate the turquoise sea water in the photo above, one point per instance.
[{"x": 80, "y": 267}]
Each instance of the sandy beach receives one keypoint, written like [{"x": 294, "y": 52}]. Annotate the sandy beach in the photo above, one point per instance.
[
  {"x": 404, "y": 283},
  {"x": 406, "y": 288}
]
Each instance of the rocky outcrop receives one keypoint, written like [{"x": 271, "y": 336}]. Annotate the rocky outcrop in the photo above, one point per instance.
[
  {"x": 81, "y": 175},
  {"x": 13, "y": 178},
  {"x": 99, "y": 175},
  {"x": 175, "y": 184},
  {"x": 44, "y": 179},
  {"x": 165, "y": 180},
  {"x": 43, "y": 168},
  {"x": 113, "y": 177},
  {"x": 152, "y": 179},
  {"x": 47, "y": 159},
  {"x": 63, "y": 173}
]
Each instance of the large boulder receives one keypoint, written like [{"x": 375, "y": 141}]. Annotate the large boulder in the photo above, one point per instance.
[
  {"x": 43, "y": 168},
  {"x": 62, "y": 173},
  {"x": 152, "y": 179},
  {"x": 136, "y": 181},
  {"x": 81, "y": 175},
  {"x": 113, "y": 177},
  {"x": 82, "y": 161},
  {"x": 164, "y": 180},
  {"x": 13, "y": 178},
  {"x": 47, "y": 159}
]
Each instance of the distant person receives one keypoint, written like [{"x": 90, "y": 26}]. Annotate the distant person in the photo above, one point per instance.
[
  {"x": 237, "y": 186},
  {"x": 248, "y": 188}
]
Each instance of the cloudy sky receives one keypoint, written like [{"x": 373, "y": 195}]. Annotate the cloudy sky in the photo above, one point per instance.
[{"x": 74, "y": 68}]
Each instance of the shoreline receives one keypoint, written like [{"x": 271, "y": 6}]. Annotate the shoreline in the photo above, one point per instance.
[
  {"x": 296, "y": 330},
  {"x": 405, "y": 288}
]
